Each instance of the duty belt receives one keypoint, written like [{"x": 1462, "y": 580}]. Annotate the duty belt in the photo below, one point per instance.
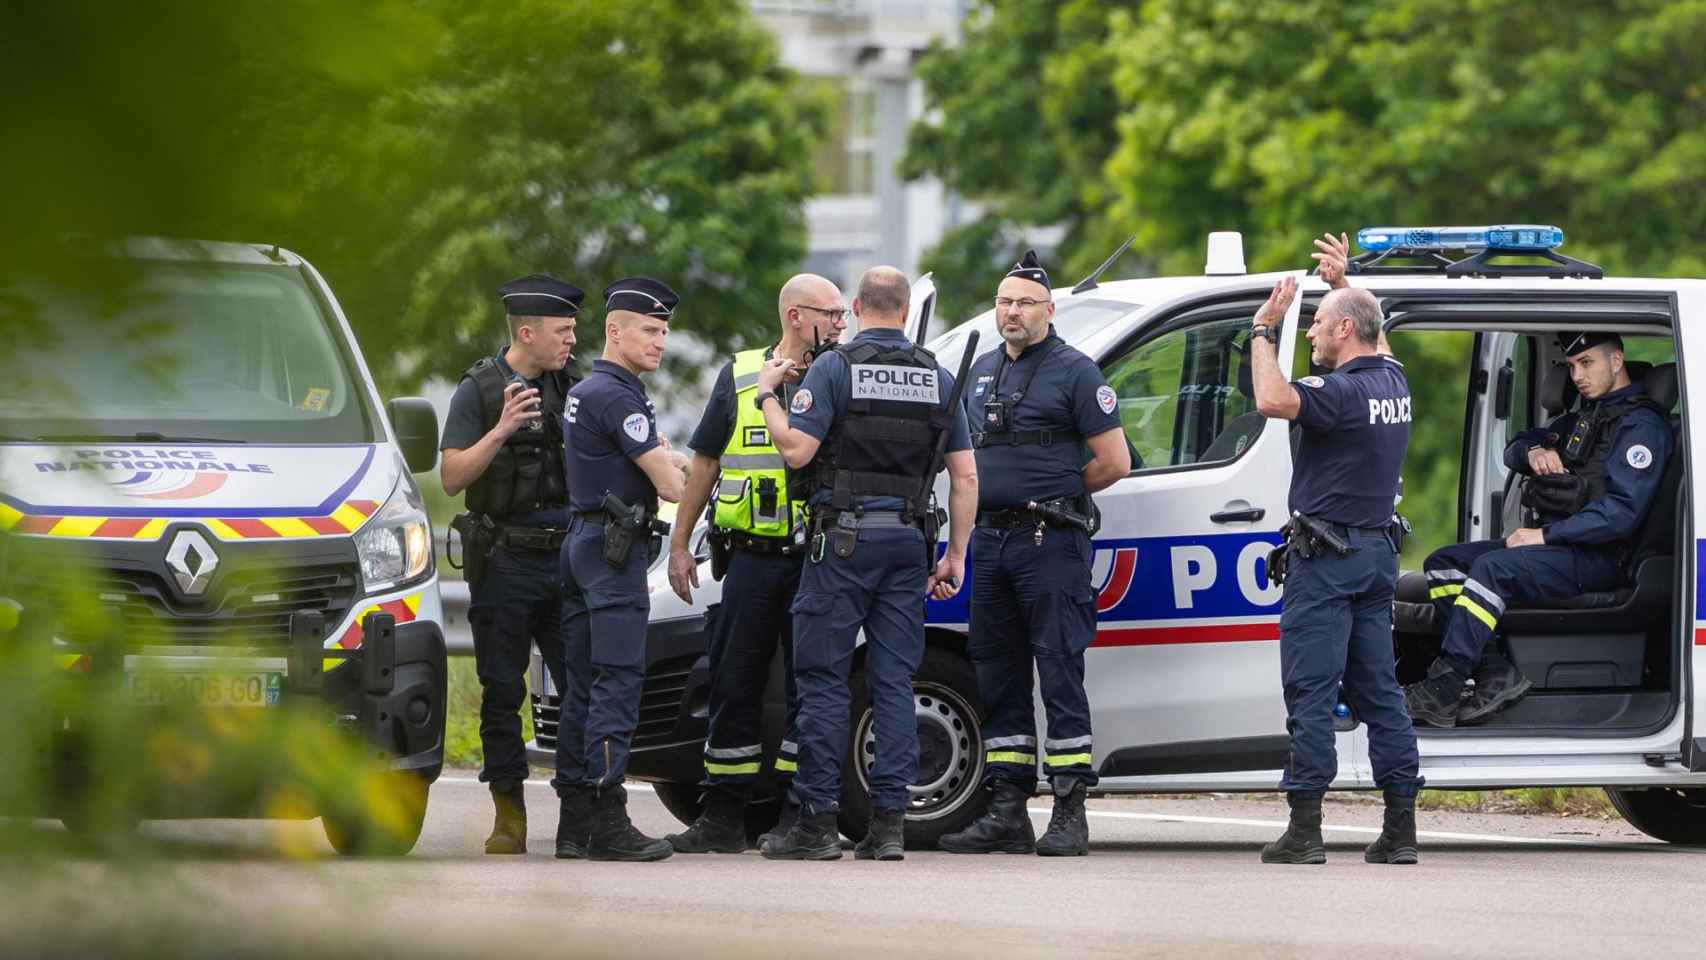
[
  {"x": 531, "y": 538},
  {"x": 1023, "y": 437},
  {"x": 868, "y": 519},
  {"x": 777, "y": 546},
  {"x": 1006, "y": 519}
]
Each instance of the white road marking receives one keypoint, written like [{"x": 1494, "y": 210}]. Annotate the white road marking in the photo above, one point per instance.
[{"x": 1209, "y": 821}]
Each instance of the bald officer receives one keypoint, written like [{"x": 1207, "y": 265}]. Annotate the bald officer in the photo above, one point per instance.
[
  {"x": 618, "y": 468},
  {"x": 1047, "y": 433}
]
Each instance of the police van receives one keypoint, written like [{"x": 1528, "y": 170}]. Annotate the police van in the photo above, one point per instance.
[
  {"x": 1183, "y": 677},
  {"x": 199, "y": 438}
]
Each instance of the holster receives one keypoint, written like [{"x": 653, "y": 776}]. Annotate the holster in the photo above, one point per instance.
[
  {"x": 934, "y": 519},
  {"x": 1558, "y": 494},
  {"x": 845, "y": 537},
  {"x": 718, "y": 540},
  {"x": 623, "y": 526},
  {"x": 478, "y": 535}
]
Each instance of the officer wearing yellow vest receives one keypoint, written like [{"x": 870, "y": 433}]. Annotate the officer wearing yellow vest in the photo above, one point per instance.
[{"x": 759, "y": 532}]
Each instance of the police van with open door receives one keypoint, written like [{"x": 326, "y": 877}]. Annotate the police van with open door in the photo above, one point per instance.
[
  {"x": 207, "y": 508},
  {"x": 1183, "y": 677}
]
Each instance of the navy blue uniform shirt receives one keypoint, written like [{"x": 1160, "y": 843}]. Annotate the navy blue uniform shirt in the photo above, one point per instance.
[
  {"x": 1356, "y": 427},
  {"x": 826, "y": 388},
  {"x": 465, "y": 424},
  {"x": 1639, "y": 451},
  {"x": 610, "y": 423},
  {"x": 1067, "y": 396}
]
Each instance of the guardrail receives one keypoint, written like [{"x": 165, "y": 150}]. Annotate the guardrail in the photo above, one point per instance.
[{"x": 458, "y": 639}]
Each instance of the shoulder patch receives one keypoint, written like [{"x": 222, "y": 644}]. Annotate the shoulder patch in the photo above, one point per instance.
[
  {"x": 802, "y": 401},
  {"x": 1639, "y": 456},
  {"x": 637, "y": 427},
  {"x": 1315, "y": 382},
  {"x": 1105, "y": 398}
]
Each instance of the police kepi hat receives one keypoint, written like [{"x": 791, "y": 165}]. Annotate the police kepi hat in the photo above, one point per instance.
[
  {"x": 541, "y": 295},
  {"x": 642, "y": 295},
  {"x": 1030, "y": 268},
  {"x": 1573, "y": 342}
]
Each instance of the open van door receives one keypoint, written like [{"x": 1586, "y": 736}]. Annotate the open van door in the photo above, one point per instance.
[{"x": 923, "y": 305}]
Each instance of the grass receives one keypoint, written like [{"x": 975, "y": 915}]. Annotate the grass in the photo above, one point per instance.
[
  {"x": 462, "y": 718},
  {"x": 1554, "y": 801}
]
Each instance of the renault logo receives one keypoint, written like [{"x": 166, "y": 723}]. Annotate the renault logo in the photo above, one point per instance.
[{"x": 192, "y": 562}]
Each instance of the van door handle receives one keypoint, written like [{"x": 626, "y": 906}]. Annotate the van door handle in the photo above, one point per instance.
[{"x": 1240, "y": 515}]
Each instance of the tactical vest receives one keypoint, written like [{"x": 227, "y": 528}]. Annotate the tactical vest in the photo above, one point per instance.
[
  {"x": 1586, "y": 450},
  {"x": 526, "y": 474},
  {"x": 886, "y": 445},
  {"x": 752, "y": 493}
]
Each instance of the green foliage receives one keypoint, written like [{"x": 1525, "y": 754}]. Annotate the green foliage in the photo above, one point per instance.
[
  {"x": 422, "y": 153},
  {"x": 462, "y": 716}
]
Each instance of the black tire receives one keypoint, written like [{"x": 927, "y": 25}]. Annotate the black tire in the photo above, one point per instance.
[
  {"x": 1671, "y": 814},
  {"x": 388, "y": 832},
  {"x": 950, "y": 756},
  {"x": 685, "y": 801}
]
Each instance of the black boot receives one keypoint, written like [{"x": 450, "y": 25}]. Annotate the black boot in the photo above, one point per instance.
[
  {"x": 1004, "y": 828},
  {"x": 613, "y": 837},
  {"x": 1397, "y": 840},
  {"x": 790, "y": 816},
  {"x": 1301, "y": 842},
  {"x": 1435, "y": 700},
  {"x": 574, "y": 815},
  {"x": 1498, "y": 684},
  {"x": 885, "y": 838},
  {"x": 1068, "y": 833},
  {"x": 812, "y": 837},
  {"x": 509, "y": 827},
  {"x": 720, "y": 829}
]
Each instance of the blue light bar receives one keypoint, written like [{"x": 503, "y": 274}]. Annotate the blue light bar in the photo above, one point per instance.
[{"x": 1515, "y": 237}]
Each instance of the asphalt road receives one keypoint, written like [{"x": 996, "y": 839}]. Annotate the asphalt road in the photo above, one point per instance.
[{"x": 1166, "y": 877}]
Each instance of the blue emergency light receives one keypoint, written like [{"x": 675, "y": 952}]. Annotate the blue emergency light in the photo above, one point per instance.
[{"x": 1512, "y": 237}]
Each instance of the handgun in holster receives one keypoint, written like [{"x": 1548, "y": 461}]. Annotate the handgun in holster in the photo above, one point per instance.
[
  {"x": 623, "y": 526},
  {"x": 721, "y": 550},
  {"x": 478, "y": 534}
]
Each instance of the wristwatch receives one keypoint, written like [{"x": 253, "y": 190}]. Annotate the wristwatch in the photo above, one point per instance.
[
  {"x": 764, "y": 395},
  {"x": 1271, "y": 334}
]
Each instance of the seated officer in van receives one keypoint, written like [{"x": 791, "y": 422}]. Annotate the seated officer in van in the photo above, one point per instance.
[{"x": 1590, "y": 476}]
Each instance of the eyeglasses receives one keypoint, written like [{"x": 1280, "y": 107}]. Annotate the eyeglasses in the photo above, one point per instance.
[
  {"x": 1008, "y": 303},
  {"x": 832, "y": 314}
]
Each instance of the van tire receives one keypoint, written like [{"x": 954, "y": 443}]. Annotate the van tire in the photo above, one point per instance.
[
  {"x": 391, "y": 832},
  {"x": 1671, "y": 814},
  {"x": 951, "y": 752}
]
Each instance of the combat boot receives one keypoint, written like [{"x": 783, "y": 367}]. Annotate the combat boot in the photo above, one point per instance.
[
  {"x": 885, "y": 838},
  {"x": 611, "y": 836},
  {"x": 1435, "y": 700},
  {"x": 573, "y": 816},
  {"x": 812, "y": 837},
  {"x": 721, "y": 828},
  {"x": 1068, "y": 833},
  {"x": 1498, "y": 684},
  {"x": 1301, "y": 842},
  {"x": 1004, "y": 828},
  {"x": 789, "y": 816},
  {"x": 509, "y": 827},
  {"x": 1397, "y": 840}
]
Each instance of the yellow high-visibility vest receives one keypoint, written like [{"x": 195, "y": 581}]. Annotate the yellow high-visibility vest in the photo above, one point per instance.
[{"x": 752, "y": 492}]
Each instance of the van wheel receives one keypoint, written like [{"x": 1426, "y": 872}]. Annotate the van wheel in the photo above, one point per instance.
[
  {"x": 386, "y": 822},
  {"x": 946, "y": 795},
  {"x": 1665, "y": 813},
  {"x": 685, "y": 801}
]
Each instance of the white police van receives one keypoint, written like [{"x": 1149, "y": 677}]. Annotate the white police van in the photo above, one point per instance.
[
  {"x": 1183, "y": 677},
  {"x": 199, "y": 435}
]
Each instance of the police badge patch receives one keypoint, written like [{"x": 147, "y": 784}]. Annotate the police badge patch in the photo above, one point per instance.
[
  {"x": 1639, "y": 456},
  {"x": 637, "y": 426},
  {"x": 1105, "y": 398},
  {"x": 1315, "y": 382},
  {"x": 802, "y": 402}
]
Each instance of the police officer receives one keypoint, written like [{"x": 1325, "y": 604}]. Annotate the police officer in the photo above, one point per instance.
[
  {"x": 1590, "y": 476},
  {"x": 1342, "y": 563},
  {"x": 1047, "y": 436},
  {"x": 503, "y": 445},
  {"x": 618, "y": 467},
  {"x": 862, "y": 432},
  {"x": 759, "y": 532}
]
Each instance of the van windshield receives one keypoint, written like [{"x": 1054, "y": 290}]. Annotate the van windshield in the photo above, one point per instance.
[{"x": 213, "y": 352}]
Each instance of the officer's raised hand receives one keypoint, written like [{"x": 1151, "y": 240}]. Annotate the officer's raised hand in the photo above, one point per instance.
[
  {"x": 774, "y": 371},
  {"x": 950, "y": 573},
  {"x": 1544, "y": 462},
  {"x": 1272, "y": 313},
  {"x": 521, "y": 407},
  {"x": 1334, "y": 256}
]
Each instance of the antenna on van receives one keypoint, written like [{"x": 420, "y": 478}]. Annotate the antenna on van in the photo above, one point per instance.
[{"x": 1089, "y": 283}]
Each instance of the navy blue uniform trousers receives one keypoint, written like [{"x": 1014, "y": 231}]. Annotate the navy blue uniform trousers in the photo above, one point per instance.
[
  {"x": 1337, "y": 626},
  {"x": 517, "y": 605},
  {"x": 1032, "y": 603},
  {"x": 1471, "y": 584},
  {"x": 604, "y": 631},
  {"x": 880, "y": 588},
  {"x": 752, "y": 620}
]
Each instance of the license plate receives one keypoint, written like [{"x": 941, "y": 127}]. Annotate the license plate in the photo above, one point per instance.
[{"x": 196, "y": 689}]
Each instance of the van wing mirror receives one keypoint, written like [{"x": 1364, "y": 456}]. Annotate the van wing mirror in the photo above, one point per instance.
[{"x": 415, "y": 423}]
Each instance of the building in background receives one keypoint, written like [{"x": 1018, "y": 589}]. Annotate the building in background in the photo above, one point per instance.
[{"x": 860, "y": 55}]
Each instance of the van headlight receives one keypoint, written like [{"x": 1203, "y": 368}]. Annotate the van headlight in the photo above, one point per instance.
[{"x": 395, "y": 546}]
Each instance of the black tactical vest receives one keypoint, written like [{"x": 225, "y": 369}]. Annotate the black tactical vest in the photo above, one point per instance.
[
  {"x": 527, "y": 472},
  {"x": 1586, "y": 451},
  {"x": 886, "y": 444}
]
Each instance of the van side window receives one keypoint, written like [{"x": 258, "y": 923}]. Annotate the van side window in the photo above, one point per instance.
[{"x": 1185, "y": 397}]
